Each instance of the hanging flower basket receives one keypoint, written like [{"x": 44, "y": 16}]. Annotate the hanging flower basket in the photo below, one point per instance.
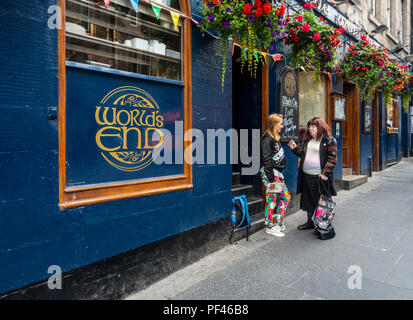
[
  {"x": 364, "y": 64},
  {"x": 398, "y": 83},
  {"x": 255, "y": 25},
  {"x": 371, "y": 68},
  {"x": 314, "y": 43}
]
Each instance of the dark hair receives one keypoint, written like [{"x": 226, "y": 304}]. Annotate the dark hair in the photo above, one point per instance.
[
  {"x": 301, "y": 133},
  {"x": 322, "y": 128}
]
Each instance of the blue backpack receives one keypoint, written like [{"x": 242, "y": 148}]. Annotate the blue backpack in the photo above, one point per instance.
[{"x": 240, "y": 218}]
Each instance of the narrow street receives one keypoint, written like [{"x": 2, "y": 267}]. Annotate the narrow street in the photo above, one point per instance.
[{"x": 374, "y": 227}]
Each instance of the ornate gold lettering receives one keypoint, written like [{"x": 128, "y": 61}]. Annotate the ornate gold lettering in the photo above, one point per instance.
[{"x": 100, "y": 134}]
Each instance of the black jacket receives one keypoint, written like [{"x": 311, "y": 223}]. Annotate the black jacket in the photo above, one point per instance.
[
  {"x": 328, "y": 159},
  {"x": 272, "y": 156}
]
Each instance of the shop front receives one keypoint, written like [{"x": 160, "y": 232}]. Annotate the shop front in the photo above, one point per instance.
[{"x": 100, "y": 95}]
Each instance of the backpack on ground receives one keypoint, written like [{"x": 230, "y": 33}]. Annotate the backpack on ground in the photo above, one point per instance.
[{"x": 240, "y": 218}]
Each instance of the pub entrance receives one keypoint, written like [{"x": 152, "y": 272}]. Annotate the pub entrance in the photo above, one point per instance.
[{"x": 247, "y": 114}]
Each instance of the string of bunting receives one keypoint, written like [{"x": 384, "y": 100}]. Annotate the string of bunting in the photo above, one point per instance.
[
  {"x": 276, "y": 57},
  {"x": 175, "y": 18},
  {"x": 157, "y": 10}
]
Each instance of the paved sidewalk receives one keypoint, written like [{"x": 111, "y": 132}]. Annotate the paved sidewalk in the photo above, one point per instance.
[{"x": 374, "y": 227}]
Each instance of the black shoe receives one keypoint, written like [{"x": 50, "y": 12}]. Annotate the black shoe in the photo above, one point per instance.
[{"x": 306, "y": 226}]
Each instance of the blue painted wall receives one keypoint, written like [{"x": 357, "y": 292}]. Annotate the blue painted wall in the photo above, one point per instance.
[
  {"x": 34, "y": 233},
  {"x": 366, "y": 145}
]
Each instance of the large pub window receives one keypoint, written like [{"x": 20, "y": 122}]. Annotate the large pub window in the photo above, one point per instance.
[
  {"x": 139, "y": 47},
  {"x": 118, "y": 37}
]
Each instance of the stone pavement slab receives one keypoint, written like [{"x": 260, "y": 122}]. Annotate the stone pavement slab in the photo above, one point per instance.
[{"x": 374, "y": 227}]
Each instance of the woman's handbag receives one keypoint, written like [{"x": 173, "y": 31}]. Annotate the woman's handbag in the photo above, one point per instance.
[
  {"x": 277, "y": 189},
  {"x": 325, "y": 211}
]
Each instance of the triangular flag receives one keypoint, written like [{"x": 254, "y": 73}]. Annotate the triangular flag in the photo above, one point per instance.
[
  {"x": 256, "y": 56},
  {"x": 175, "y": 17},
  {"x": 194, "y": 21},
  {"x": 157, "y": 10},
  {"x": 135, "y": 4},
  {"x": 106, "y": 3},
  {"x": 265, "y": 56},
  {"x": 276, "y": 57}
]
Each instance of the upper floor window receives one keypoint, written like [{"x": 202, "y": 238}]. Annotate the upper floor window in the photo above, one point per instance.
[
  {"x": 118, "y": 37},
  {"x": 389, "y": 15}
]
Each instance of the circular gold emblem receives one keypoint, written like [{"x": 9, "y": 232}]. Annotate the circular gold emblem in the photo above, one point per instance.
[
  {"x": 127, "y": 119},
  {"x": 290, "y": 84}
]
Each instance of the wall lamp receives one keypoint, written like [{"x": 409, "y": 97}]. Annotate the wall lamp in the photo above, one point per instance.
[{"x": 379, "y": 29}]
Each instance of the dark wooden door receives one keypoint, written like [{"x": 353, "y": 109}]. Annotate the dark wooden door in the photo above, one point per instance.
[{"x": 347, "y": 129}]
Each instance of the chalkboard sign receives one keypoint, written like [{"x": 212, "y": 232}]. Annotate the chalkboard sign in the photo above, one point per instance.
[
  {"x": 288, "y": 102},
  {"x": 368, "y": 116}
]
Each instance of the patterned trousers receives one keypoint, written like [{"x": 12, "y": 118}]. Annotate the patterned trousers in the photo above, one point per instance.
[{"x": 271, "y": 202}]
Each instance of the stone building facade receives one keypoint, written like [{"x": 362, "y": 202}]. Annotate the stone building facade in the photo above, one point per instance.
[{"x": 371, "y": 14}]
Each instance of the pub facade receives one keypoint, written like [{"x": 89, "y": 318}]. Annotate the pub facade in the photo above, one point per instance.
[{"x": 95, "y": 93}]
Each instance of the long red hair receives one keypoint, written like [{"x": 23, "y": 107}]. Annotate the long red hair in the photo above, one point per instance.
[{"x": 322, "y": 128}]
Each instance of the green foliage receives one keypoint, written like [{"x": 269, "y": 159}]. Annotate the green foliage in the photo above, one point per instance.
[
  {"x": 256, "y": 28},
  {"x": 313, "y": 42}
]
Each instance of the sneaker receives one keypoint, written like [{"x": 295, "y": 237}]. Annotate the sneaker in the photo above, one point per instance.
[
  {"x": 275, "y": 231},
  {"x": 283, "y": 226}
]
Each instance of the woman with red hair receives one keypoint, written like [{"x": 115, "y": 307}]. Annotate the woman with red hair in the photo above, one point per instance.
[{"x": 318, "y": 155}]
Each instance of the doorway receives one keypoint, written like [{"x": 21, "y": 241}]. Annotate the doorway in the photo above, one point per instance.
[
  {"x": 351, "y": 131},
  {"x": 249, "y": 107}
]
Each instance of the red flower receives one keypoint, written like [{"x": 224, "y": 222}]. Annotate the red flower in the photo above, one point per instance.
[
  {"x": 267, "y": 8},
  {"x": 247, "y": 9},
  {"x": 321, "y": 18},
  {"x": 308, "y": 6},
  {"x": 296, "y": 39},
  {"x": 314, "y": 4},
  {"x": 363, "y": 37},
  {"x": 257, "y": 4},
  {"x": 300, "y": 18},
  {"x": 258, "y": 12},
  {"x": 354, "y": 52},
  {"x": 281, "y": 12},
  {"x": 306, "y": 27},
  {"x": 316, "y": 36},
  {"x": 342, "y": 30}
]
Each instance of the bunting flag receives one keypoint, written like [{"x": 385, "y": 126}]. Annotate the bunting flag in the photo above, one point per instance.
[
  {"x": 175, "y": 17},
  {"x": 276, "y": 57},
  {"x": 157, "y": 10},
  {"x": 265, "y": 56},
  {"x": 134, "y": 4},
  {"x": 194, "y": 21},
  {"x": 106, "y": 3},
  {"x": 255, "y": 54}
]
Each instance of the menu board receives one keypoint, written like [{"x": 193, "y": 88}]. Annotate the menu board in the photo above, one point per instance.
[{"x": 288, "y": 102}]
